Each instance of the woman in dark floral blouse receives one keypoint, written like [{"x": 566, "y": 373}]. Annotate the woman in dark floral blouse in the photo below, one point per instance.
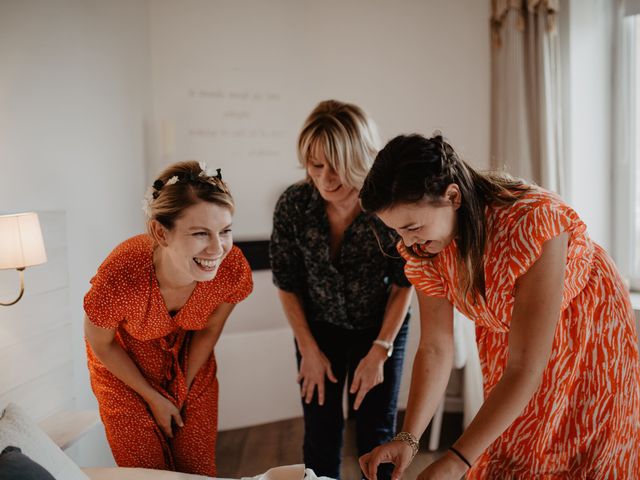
[{"x": 342, "y": 286}]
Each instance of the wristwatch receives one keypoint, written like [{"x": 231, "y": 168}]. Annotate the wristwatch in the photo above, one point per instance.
[{"x": 388, "y": 346}]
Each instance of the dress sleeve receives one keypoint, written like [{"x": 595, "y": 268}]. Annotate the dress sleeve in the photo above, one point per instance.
[
  {"x": 105, "y": 302},
  {"x": 243, "y": 278},
  {"x": 287, "y": 265},
  {"x": 423, "y": 274},
  {"x": 529, "y": 232}
]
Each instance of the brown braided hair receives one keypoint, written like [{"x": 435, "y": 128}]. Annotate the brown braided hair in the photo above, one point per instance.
[{"x": 411, "y": 168}]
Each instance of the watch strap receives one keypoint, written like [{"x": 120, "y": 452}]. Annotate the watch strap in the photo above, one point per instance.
[{"x": 388, "y": 346}]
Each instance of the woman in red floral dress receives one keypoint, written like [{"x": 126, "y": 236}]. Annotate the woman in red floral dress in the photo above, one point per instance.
[{"x": 154, "y": 313}]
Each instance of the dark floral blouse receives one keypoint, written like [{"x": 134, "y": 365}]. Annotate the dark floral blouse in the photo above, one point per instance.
[{"x": 350, "y": 292}]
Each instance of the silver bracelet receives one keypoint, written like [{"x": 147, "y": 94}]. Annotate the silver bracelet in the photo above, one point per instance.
[{"x": 410, "y": 440}]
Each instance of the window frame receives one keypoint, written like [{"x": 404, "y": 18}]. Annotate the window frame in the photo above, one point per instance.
[{"x": 625, "y": 149}]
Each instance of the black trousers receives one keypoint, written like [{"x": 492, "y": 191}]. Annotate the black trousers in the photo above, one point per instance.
[{"x": 375, "y": 419}]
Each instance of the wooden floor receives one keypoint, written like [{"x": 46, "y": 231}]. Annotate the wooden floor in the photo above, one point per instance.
[{"x": 251, "y": 451}]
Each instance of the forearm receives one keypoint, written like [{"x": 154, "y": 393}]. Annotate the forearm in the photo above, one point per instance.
[
  {"x": 395, "y": 312},
  {"x": 292, "y": 306},
  {"x": 200, "y": 350},
  {"x": 120, "y": 364},
  {"x": 505, "y": 403},
  {"x": 204, "y": 340},
  {"x": 429, "y": 378}
]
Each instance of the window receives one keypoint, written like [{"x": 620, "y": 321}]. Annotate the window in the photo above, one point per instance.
[{"x": 626, "y": 143}]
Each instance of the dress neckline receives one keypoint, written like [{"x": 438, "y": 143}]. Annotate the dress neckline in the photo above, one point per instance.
[{"x": 155, "y": 286}]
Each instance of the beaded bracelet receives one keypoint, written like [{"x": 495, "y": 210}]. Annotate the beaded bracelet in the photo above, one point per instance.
[
  {"x": 460, "y": 456},
  {"x": 409, "y": 439}
]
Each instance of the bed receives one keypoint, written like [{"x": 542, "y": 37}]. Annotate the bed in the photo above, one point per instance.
[{"x": 44, "y": 445}]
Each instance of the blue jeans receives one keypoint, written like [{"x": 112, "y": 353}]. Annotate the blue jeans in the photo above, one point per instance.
[{"x": 375, "y": 419}]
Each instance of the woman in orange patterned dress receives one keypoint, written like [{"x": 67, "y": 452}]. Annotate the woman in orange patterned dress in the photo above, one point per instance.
[
  {"x": 154, "y": 313},
  {"x": 554, "y": 325}
]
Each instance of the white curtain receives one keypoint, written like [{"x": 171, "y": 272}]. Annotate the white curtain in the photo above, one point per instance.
[
  {"x": 526, "y": 127},
  {"x": 632, "y": 7}
]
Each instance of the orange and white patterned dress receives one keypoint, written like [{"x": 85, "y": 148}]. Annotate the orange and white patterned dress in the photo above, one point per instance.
[
  {"x": 125, "y": 295},
  {"x": 584, "y": 420}
]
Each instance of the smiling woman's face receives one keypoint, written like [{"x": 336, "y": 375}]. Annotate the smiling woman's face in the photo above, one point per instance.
[
  {"x": 325, "y": 178},
  {"x": 199, "y": 240},
  {"x": 433, "y": 225}
]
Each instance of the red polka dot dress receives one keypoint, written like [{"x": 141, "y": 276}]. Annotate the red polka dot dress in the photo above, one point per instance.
[
  {"x": 125, "y": 296},
  {"x": 583, "y": 422}
]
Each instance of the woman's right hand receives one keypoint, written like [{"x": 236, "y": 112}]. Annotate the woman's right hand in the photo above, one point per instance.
[
  {"x": 314, "y": 366},
  {"x": 397, "y": 452},
  {"x": 164, "y": 412}
]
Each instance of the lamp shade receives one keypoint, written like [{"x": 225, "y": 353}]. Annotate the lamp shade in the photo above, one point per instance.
[{"x": 21, "y": 242}]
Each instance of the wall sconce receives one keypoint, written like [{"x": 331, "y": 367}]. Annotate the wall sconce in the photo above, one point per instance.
[{"x": 21, "y": 245}]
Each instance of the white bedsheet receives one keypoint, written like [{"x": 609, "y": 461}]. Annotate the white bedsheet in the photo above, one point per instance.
[{"x": 286, "y": 472}]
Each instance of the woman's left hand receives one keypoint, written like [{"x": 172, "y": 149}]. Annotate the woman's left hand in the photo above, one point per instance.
[
  {"x": 445, "y": 468},
  {"x": 369, "y": 373}
]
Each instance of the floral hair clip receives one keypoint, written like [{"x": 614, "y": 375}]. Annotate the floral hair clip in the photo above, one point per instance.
[
  {"x": 153, "y": 192},
  {"x": 147, "y": 200},
  {"x": 157, "y": 186},
  {"x": 205, "y": 171}
]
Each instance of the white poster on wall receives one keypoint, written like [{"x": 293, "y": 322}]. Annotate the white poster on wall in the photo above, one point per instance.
[{"x": 237, "y": 122}]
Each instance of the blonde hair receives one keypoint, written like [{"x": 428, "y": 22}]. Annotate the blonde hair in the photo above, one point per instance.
[
  {"x": 180, "y": 186},
  {"x": 348, "y": 137}
]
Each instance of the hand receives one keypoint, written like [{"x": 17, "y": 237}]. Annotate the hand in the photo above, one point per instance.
[
  {"x": 369, "y": 373},
  {"x": 164, "y": 412},
  {"x": 396, "y": 452},
  {"x": 446, "y": 467},
  {"x": 313, "y": 368}
]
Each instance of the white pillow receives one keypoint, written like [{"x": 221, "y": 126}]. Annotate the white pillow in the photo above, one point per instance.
[
  {"x": 288, "y": 472},
  {"x": 18, "y": 430}
]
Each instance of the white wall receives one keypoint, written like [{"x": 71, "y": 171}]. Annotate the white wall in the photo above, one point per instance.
[
  {"x": 75, "y": 77},
  {"x": 73, "y": 81}
]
